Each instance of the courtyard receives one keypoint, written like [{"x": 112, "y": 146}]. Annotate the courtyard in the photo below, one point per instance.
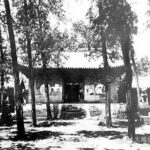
[{"x": 86, "y": 133}]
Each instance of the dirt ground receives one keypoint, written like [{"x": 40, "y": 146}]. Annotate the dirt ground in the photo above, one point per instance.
[{"x": 77, "y": 134}]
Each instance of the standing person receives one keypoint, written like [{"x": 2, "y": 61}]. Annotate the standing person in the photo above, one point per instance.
[
  {"x": 22, "y": 87},
  {"x": 148, "y": 95},
  {"x": 144, "y": 96},
  {"x": 81, "y": 93},
  {"x": 6, "y": 116}
]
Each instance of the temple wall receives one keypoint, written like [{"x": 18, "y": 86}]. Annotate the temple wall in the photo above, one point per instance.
[
  {"x": 55, "y": 90},
  {"x": 90, "y": 94},
  {"x": 94, "y": 91}
]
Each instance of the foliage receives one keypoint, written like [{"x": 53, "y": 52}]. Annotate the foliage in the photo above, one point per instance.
[
  {"x": 118, "y": 14},
  {"x": 44, "y": 38},
  {"x": 148, "y": 14},
  {"x": 117, "y": 23},
  {"x": 53, "y": 47},
  {"x": 5, "y": 60},
  {"x": 114, "y": 17},
  {"x": 143, "y": 65},
  {"x": 90, "y": 38}
]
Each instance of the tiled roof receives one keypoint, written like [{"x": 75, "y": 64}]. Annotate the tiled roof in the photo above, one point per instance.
[
  {"x": 80, "y": 60},
  {"x": 93, "y": 73},
  {"x": 78, "y": 64}
]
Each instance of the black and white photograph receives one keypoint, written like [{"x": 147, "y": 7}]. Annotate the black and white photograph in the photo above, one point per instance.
[{"x": 74, "y": 74}]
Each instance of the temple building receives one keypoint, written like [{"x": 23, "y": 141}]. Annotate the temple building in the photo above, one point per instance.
[{"x": 76, "y": 85}]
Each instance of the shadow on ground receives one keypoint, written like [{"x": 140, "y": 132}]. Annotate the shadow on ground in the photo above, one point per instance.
[
  {"x": 21, "y": 147},
  {"x": 113, "y": 149},
  {"x": 94, "y": 134},
  {"x": 6, "y": 127},
  {"x": 36, "y": 135},
  {"x": 86, "y": 148},
  {"x": 55, "y": 124},
  {"x": 124, "y": 124},
  {"x": 28, "y": 146}
]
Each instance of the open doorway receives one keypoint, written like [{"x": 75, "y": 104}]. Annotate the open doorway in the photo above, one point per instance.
[
  {"x": 73, "y": 89},
  {"x": 73, "y": 93}
]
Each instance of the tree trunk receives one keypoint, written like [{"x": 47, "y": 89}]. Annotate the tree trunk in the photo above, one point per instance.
[
  {"x": 125, "y": 46},
  {"x": 1, "y": 71},
  {"x": 2, "y": 61},
  {"x": 46, "y": 87},
  {"x": 31, "y": 78},
  {"x": 107, "y": 86},
  {"x": 130, "y": 115},
  {"x": 108, "y": 108},
  {"x": 44, "y": 61},
  {"x": 48, "y": 101},
  {"x": 136, "y": 74},
  {"x": 17, "y": 92}
]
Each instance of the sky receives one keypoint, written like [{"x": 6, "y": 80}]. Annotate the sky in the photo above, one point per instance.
[{"x": 76, "y": 10}]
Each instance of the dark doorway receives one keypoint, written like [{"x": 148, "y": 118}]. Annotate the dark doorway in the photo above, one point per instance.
[
  {"x": 71, "y": 93},
  {"x": 73, "y": 89}
]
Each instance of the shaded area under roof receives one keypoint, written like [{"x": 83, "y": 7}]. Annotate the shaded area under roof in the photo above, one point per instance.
[{"x": 67, "y": 73}]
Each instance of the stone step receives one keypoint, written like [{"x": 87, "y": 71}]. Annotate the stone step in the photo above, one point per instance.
[
  {"x": 72, "y": 112},
  {"x": 71, "y": 109},
  {"x": 72, "y": 115}
]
